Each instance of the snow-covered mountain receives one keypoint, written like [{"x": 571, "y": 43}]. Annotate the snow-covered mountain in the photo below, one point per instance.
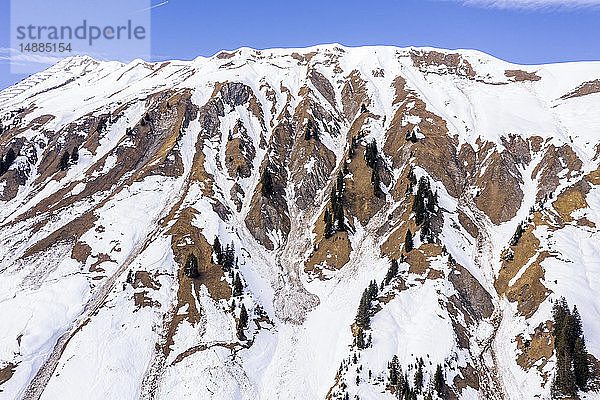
[{"x": 314, "y": 168}]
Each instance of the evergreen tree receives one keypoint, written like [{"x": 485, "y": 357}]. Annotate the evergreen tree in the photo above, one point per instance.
[
  {"x": 376, "y": 181},
  {"x": 412, "y": 179},
  {"x": 371, "y": 154},
  {"x": 7, "y": 161},
  {"x": 191, "y": 266},
  {"x": 517, "y": 235},
  {"x": 392, "y": 272},
  {"x": 408, "y": 241},
  {"x": 577, "y": 328},
  {"x": 228, "y": 258},
  {"x": 581, "y": 366},
  {"x": 75, "y": 154},
  {"x": 217, "y": 252},
  {"x": 240, "y": 332},
  {"x": 266, "y": 181},
  {"x": 424, "y": 202},
  {"x": 328, "y": 224},
  {"x": 572, "y": 366},
  {"x": 340, "y": 184},
  {"x": 339, "y": 219},
  {"x": 419, "y": 376},
  {"x": 337, "y": 211},
  {"x": 411, "y": 136},
  {"x": 559, "y": 313},
  {"x": 237, "y": 285},
  {"x": 64, "y": 161},
  {"x": 426, "y": 232},
  {"x": 362, "y": 317},
  {"x": 372, "y": 291},
  {"x": 394, "y": 371},
  {"x": 360, "y": 339},
  {"x": 353, "y": 146},
  {"x": 363, "y": 109},
  {"x": 438, "y": 381},
  {"x": 243, "y": 316},
  {"x": 563, "y": 384}
]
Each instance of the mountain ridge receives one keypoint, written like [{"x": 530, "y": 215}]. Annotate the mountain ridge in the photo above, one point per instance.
[{"x": 453, "y": 149}]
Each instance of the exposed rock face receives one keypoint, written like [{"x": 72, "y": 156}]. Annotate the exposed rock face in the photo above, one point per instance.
[
  {"x": 473, "y": 296},
  {"x": 323, "y": 86},
  {"x": 518, "y": 75},
  {"x": 501, "y": 193},
  {"x": 268, "y": 216},
  {"x": 584, "y": 89},
  {"x": 292, "y": 178},
  {"x": 434, "y": 61},
  {"x": 240, "y": 152},
  {"x": 235, "y": 94},
  {"x": 354, "y": 95}
]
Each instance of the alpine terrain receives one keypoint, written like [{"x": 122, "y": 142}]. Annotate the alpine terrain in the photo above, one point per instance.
[{"x": 319, "y": 223}]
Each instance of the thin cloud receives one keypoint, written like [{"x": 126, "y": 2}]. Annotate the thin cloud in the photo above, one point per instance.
[
  {"x": 9, "y": 55},
  {"x": 533, "y": 4},
  {"x": 154, "y": 6}
]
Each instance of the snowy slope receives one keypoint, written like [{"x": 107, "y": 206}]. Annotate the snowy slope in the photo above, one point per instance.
[{"x": 93, "y": 295}]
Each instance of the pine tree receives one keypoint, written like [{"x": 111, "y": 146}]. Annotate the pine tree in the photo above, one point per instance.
[
  {"x": 419, "y": 376},
  {"x": 563, "y": 384},
  {"x": 340, "y": 184},
  {"x": 581, "y": 366},
  {"x": 408, "y": 241},
  {"x": 191, "y": 266},
  {"x": 75, "y": 154},
  {"x": 373, "y": 291},
  {"x": 371, "y": 154},
  {"x": 576, "y": 322},
  {"x": 64, "y": 161},
  {"x": 328, "y": 224},
  {"x": 517, "y": 235},
  {"x": 353, "y": 146},
  {"x": 411, "y": 136},
  {"x": 7, "y": 161},
  {"x": 362, "y": 317},
  {"x": 560, "y": 309},
  {"x": 228, "y": 258},
  {"x": 240, "y": 332},
  {"x": 394, "y": 371},
  {"x": 243, "y": 316},
  {"x": 412, "y": 179},
  {"x": 426, "y": 232},
  {"x": 376, "y": 181},
  {"x": 360, "y": 338},
  {"x": 237, "y": 285},
  {"x": 438, "y": 381},
  {"x": 340, "y": 226},
  {"x": 392, "y": 272},
  {"x": 217, "y": 252}
]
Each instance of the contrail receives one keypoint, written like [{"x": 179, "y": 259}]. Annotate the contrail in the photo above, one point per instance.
[{"x": 154, "y": 6}]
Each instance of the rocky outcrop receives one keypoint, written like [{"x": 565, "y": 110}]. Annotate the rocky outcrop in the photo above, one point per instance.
[
  {"x": 268, "y": 219},
  {"x": 442, "y": 63}
]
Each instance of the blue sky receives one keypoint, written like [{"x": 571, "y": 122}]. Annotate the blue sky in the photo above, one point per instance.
[{"x": 520, "y": 31}]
